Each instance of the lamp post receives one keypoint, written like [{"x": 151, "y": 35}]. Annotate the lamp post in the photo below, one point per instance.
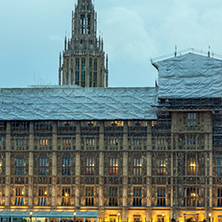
[
  {"x": 30, "y": 215},
  {"x": 118, "y": 216},
  {"x": 209, "y": 217},
  {"x": 74, "y": 214},
  {"x": 163, "y": 214}
]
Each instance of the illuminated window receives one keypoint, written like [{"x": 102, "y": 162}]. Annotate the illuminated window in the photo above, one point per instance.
[
  {"x": 191, "y": 196},
  {"x": 113, "y": 166},
  {"x": 113, "y": 196},
  {"x": 191, "y": 119},
  {"x": 219, "y": 197},
  {"x": 20, "y": 166},
  {"x": 43, "y": 165},
  {"x": 137, "y": 166},
  {"x": 66, "y": 142},
  {"x": 161, "y": 166},
  {"x": 89, "y": 199},
  {"x": 43, "y": 142},
  {"x": 90, "y": 142},
  {"x": 42, "y": 196},
  {"x": 192, "y": 165},
  {"x": 113, "y": 142},
  {"x": 161, "y": 197},
  {"x": 90, "y": 166},
  {"x": 65, "y": 196},
  {"x": 137, "y": 197},
  {"x": 19, "y": 196},
  {"x": 66, "y": 166}
]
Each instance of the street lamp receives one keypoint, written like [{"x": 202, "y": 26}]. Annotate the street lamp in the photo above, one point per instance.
[
  {"x": 30, "y": 215},
  {"x": 74, "y": 214},
  {"x": 118, "y": 216},
  {"x": 209, "y": 217},
  {"x": 163, "y": 214}
]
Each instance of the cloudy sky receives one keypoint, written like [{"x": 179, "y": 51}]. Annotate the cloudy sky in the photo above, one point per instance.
[{"x": 32, "y": 35}]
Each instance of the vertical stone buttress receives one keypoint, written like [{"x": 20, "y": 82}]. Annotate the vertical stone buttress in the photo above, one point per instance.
[
  {"x": 31, "y": 164},
  {"x": 125, "y": 170},
  {"x": 77, "y": 167},
  {"x": 8, "y": 165},
  {"x": 101, "y": 163},
  {"x": 54, "y": 163},
  {"x": 149, "y": 171}
]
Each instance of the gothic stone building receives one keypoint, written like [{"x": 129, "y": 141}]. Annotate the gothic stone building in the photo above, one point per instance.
[
  {"x": 116, "y": 154},
  {"x": 92, "y": 153}
]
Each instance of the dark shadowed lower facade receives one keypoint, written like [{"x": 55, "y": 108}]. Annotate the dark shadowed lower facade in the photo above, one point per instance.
[{"x": 116, "y": 154}]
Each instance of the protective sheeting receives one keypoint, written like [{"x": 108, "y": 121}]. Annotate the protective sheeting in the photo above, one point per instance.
[
  {"x": 71, "y": 103},
  {"x": 49, "y": 214},
  {"x": 190, "y": 76}
]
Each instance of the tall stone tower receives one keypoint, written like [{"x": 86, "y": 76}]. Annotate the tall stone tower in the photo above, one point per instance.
[{"x": 83, "y": 56}]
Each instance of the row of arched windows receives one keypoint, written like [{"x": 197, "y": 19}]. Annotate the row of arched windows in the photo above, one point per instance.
[{"x": 85, "y": 21}]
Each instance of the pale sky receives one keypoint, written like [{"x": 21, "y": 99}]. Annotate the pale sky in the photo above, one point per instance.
[{"x": 33, "y": 31}]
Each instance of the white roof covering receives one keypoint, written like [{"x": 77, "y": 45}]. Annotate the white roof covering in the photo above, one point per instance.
[
  {"x": 190, "y": 76},
  {"x": 51, "y": 214},
  {"x": 71, "y": 103}
]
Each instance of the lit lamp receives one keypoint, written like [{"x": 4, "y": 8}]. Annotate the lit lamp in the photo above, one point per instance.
[
  {"x": 30, "y": 215},
  {"x": 74, "y": 214},
  {"x": 163, "y": 214},
  {"x": 118, "y": 216},
  {"x": 209, "y": 217}
]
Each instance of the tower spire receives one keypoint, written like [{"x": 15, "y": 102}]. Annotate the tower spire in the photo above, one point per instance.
[{"x": 83, "y": 56}]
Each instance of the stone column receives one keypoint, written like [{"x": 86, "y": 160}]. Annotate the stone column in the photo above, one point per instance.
[
  {"x": 31, "y": 164},
  {"x": 54, "y": 163},
  {"x": 77, "y": 164},
  {"x": 101, "y": 163},
  {"x": 8, "y": 165}
]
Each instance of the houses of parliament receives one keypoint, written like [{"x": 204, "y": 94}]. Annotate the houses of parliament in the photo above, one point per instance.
[{"x": 84, "y": 152}]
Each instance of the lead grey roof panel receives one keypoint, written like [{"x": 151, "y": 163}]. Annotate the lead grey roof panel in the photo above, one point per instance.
[
  {"x": 190, "y": 76},
  {"x": 71, "y": 103}
]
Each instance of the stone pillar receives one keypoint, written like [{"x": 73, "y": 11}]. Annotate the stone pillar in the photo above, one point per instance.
[
  {"x": 8, "y": 165},
  {"x": 31, "y": 164},
  {"x": 125, "y": 169},
  {"x": 54, "y": 164},
  {"x": 77, "y": 162},
  {"x": 101, "y": 163}
]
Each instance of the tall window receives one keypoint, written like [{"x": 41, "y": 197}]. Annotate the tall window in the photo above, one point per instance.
[
  {"x": 77, "y": 72},
  {"x": 89, "y": 199},
  {"x": 161, "y": 166},
  {"x": 66, "y": 166},
  {"x": 137, "y": 166},
  {"x": 113, "y": 166},
  {"x": 113, "y": 196},
  {"x": 20, "y": 142},
  {"x": 191, "y": 119},
  {"x": 95, "y": 73},
  {"x": 88, "y": 24},
  {"x": 90, "y": 166},
  {"x": 137, "y": 197},
  {"x": 19, "y": 196},
  {"x": 219, "y": 197},
  {"x": 43, "y": 162},
  {"x": 90, "y": 72},
  {"x": 43, "y": 142},
  {"x": 191, "y": 196},
  {"x": 65, "y": 196},
  {"x": 161, "y": 197},
  {"x": 82, "y": 24},
  {"x": 20, "y": 166},
  {"x": 192, "y": 165},
  {"x": 219, "y": 166},
  {"x": 83, "y": 76},
  {"x": 42, "y": 196}
]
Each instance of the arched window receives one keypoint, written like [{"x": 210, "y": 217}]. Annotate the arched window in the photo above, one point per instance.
[
  {"x": 77, "y": 71},
  {"x": 82, "y": 24},
  {"x": 88, "y": 24},
  {"x": 83, "y": 73},
  {"x": 90, "y": 72},
  {"x": 95, "y": 73}
]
